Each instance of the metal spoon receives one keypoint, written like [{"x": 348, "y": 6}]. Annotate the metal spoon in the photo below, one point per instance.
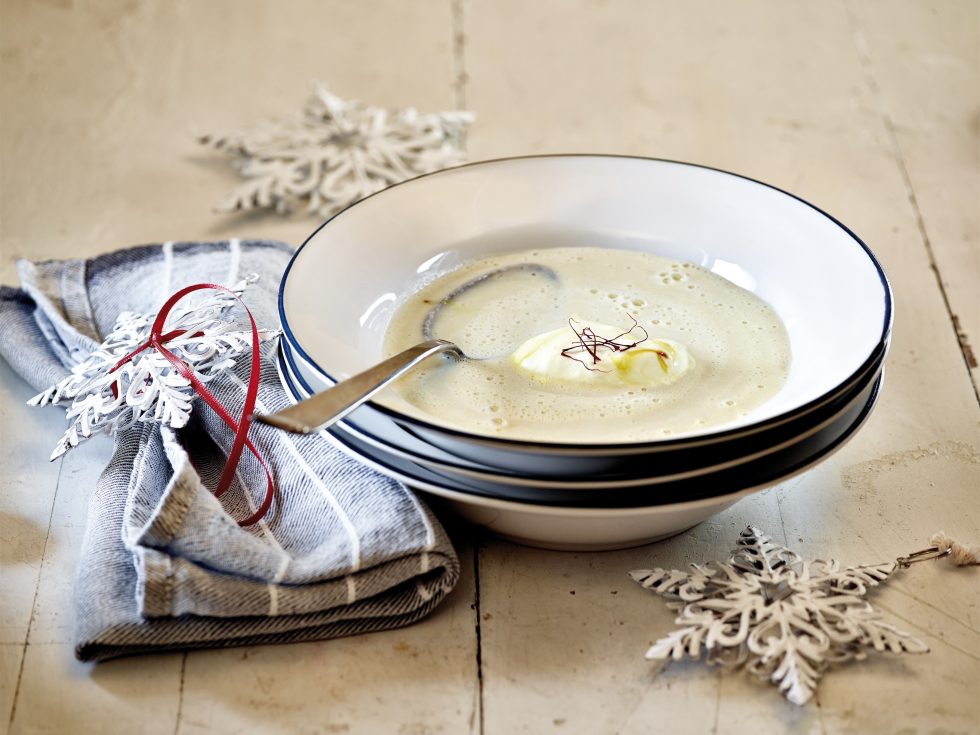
[
  {"x": 329, "y": 406},
  {"x": 428, "y": 324}
]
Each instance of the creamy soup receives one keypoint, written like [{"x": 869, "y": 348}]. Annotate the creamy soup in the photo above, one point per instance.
[{"x": 589, "y": 345}]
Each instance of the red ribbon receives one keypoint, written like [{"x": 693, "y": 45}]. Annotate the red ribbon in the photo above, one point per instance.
[{"x": 156, "y": 341}]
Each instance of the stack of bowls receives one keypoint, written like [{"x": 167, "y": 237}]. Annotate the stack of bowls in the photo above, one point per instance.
[{"x": 343, "y": 285}]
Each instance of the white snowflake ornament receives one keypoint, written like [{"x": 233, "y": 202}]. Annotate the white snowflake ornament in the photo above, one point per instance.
[
  {"x": 783, "y": 618},
  {"x": 335, "y": 153},
  {"x": 148, "y": 387}
]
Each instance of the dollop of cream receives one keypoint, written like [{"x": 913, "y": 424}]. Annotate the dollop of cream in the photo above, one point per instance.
[{"x": 652, "y": 362}]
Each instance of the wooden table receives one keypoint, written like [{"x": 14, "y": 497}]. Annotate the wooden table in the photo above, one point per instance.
[{"x": 867, "y": 109}]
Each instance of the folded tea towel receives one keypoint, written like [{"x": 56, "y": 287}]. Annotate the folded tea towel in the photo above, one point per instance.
[{"x": 164, "y": 564}]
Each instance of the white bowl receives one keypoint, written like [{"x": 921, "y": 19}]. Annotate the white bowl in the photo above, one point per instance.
[
  {"x": 519, "y": 460},
  {"x": 820, "y": 278},
  {"x": 559, "y": 527},
  {"x": 576, "y": 528},
  {"x": 648, "y": 478}
]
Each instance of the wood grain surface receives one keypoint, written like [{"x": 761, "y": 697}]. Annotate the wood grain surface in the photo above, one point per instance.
[{"x": 870, "y": 109}]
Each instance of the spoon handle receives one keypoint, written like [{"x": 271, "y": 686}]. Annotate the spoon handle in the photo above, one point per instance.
[{"x": 325, "y": 408}]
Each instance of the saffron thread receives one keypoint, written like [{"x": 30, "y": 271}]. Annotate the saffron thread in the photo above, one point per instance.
[{"x": 590, "y": 343}]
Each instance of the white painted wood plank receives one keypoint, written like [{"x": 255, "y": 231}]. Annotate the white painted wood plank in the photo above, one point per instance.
[
  {"x": 81, "y": 469},
  {"x": 776, "y": 91},
  {"x": 25, "y": 515},
  {"x": 714, "y": 83},
  {"x": 105, "y": 100},
  {"x": 924, "y": 61},
  {"x": 25, "y": 503},
  {"x": 564, "y": 635},
  {"x": 860, "y": 511},
  {"x": 60, "y": 695},
  {"x": 420, "y": 679},
  {"x": 883, "y": 505},
  {"x": 11, "y": 656}
]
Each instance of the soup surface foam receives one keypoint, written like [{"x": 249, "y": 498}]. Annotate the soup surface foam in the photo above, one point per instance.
[{"x": 707, "y": 352}]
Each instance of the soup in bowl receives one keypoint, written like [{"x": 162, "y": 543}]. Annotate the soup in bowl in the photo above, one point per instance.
[{"x": 717, "y": 306}]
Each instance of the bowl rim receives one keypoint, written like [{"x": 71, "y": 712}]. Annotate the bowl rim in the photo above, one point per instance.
[{"x": 721, "y": 434}]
